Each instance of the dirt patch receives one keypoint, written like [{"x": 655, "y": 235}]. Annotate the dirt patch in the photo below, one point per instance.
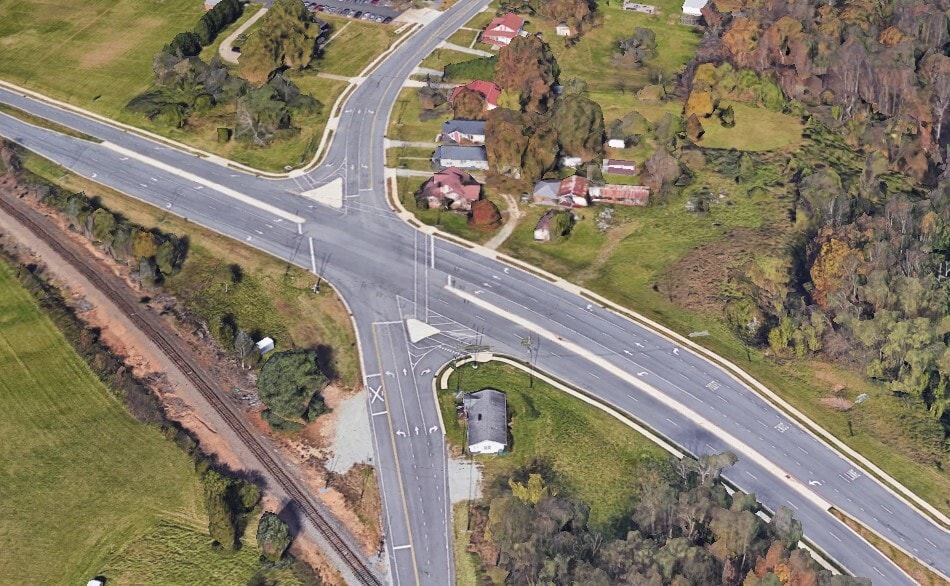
[
  {"x": 697, "y": 280},
  {"x": 347, "y": 487},
  {"x": 836, "y": 403}
]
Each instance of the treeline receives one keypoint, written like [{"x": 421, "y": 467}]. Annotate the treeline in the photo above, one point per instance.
[
  {"x": 685, "y": 528},
  {"x": 152, "y": 253},
  {"x": 877, "y": 72},
  {"x": 577, "y": 14},
  {"x": 212, "y": 22}
]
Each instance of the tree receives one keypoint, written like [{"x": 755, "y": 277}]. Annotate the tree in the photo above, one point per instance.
[
  {"x": 273, "y": 537},
  {"x": 287, "y": 38},
  {"x": 469, "y": 105},
  {"x": 527, "y": 66},
  {"x": 186, "y": 44},
  {"x": 579, "y": 122},
  {"x": 245, "y": 349},
  {"x": 290, "y": 383}
]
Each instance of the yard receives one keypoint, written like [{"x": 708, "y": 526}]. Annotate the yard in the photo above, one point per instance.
[
  {"x": 405, "y": 124},
  {"x": 756, "y": 129},
  {"x": 88, "y": 490},
  {"x": 593, "y": 455},
  {"x": 414, "y": 158}
]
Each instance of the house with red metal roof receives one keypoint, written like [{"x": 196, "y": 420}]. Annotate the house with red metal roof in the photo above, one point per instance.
[
  {"x": 502, "y": 30},
  {"x": 450, "y": 188},
  {"x": 489, "y": 90},
  {"x": 628, "y": 195},
  {"x": 573, "y": 192}
]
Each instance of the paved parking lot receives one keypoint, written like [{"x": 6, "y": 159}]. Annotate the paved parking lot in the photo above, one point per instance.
[{"x": 381, "y": 11}]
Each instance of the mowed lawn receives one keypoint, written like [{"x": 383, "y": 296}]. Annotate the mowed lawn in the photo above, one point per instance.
[
  {"x": 83, "y": 483},
  {"x": 93, "y": 53},
  {"x": 595, "y": 457}
]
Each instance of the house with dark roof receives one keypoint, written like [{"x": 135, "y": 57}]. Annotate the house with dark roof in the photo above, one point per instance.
[
  {"x": 542, "y": 230},
  {"x": 463, "y": 132},
  {"x": 627, "y": 195},
  {"x": 502, "y": 30},
  {"x": 450, "y": 188},
  {"x": 489, "y": 90},
  {"x": 619, "y": 167},
  {"x": 545, "y": 192},
  {"x": 487, "y": 414},
  {"x": 463, "y": 157}
]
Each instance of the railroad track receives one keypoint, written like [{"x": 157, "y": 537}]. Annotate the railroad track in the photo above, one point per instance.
[{"x": 119, "y": 295}]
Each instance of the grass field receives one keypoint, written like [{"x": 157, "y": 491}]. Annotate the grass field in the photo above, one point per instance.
[
  {"x": 591, "y": 58},
  {"x": 404, "y": 124},
  {"x": 756, "y": 129},
  {"x": 87, "y": 489},
  {"x": 209, "y": 52},
  {"x": 353, "y": 45},
  {"x": 594, "y": 456},
  {"x": 96, "y": 54},
  {"x": 294, "y": 317}
]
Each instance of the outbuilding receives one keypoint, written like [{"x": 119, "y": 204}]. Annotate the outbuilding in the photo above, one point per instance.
[
  {"x": 562, "y": 30},
  {"x": 265, "y": 345},
  {"x": 487, "y": 414},
  {"x": 617, "y": 143}
]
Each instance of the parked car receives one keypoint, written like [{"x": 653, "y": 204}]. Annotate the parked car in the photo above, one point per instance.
[
  {"x": 387, "y": 20},
  {"x": 358, "y": 14}
]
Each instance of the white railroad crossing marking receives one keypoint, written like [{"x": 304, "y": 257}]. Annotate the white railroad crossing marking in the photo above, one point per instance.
[
  {"x": 782, "y": 427},
  {"x": 377, "y": 394},
  {"x": 713, "y": 385}
]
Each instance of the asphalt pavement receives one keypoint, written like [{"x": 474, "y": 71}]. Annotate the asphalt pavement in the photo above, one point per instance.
[{"x": 388, "y": 271}]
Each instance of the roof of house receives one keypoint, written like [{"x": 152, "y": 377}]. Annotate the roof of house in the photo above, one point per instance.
[
  {"x": 460, "y": 153},
  {"x": 452, "y": 180},
  {"x": 619, "y": 192},
  {"x": 506, "y": 26},
  {"x": 575, "y": 185},
  {"x": 694, "y": 7},
  {"x": 473, "y": 127},
  {"x": 489, "y": 90},
  {"x": 546, "y": 188},
  {"x": 487, "y": 411},
  {"x": 620, "y": 167}
]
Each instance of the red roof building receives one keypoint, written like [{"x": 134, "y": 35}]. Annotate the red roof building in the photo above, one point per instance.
[
  {"x": 489, "y": 90},
  {"x": 451, "y": 188},
  {"x": 619, "y": 167},
  {"x": 573, "y": 192},
  {"x": 628, "y": 195},
  {"x": 502, "y": 29}
]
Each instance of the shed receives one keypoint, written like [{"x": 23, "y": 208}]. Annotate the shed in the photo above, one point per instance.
[
  {"x": 562, "y": 30},
  {"x": 95, "y": 582},
  {"x": 542, "y": 230},
  {"x": 487, "y": 413},
  {"x": 265, "y": 345},
  {"x": 617, "y": 143},
  {"x": 692, "y": 11}
]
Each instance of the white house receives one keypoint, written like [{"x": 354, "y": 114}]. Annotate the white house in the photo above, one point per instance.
[
  {"x": 463, "y": 157},
  {"x": 562, "y": 30},
  {"x": 487, "y": 415},
  {"x": 617, "y": 143}
]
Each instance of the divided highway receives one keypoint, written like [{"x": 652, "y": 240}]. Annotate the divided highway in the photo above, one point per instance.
[{"x": 387, "y": 272}]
